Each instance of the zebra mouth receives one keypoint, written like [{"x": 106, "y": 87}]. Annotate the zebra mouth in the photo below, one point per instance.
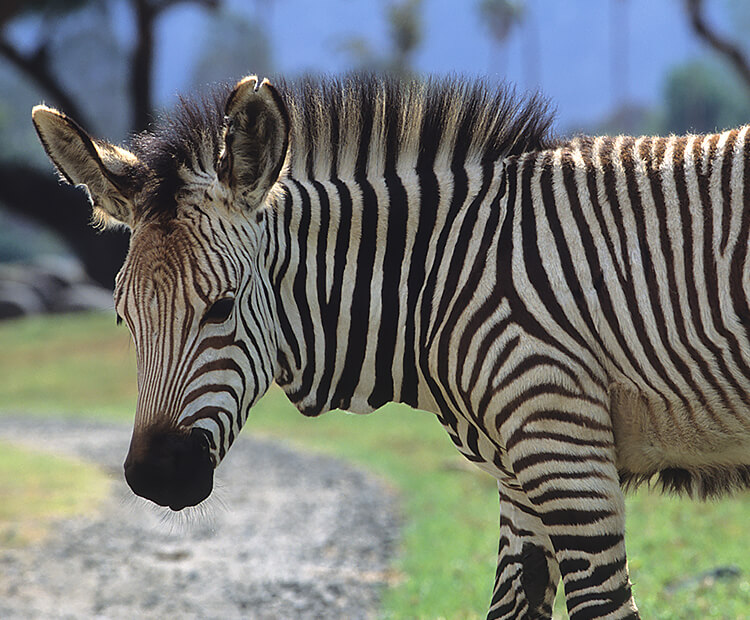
[{"x": 171, "y": 468}]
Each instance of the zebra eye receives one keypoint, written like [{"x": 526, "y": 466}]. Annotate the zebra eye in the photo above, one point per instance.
[
  {"x": 118, "y": 320},
  {"x": 219, "y": 311}
]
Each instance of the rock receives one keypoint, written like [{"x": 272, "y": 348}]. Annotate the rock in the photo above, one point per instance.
[
  {"x": 18, "y": 299},
  {"x": 82, "y": 297},
  {"x": 54, "y": 284},
  {"x": 706, "y": 579}
]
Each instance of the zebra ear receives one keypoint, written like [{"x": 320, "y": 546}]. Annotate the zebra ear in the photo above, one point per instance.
[
  {"x": 256, "y": 139},
  {"x": 105, "y": 170}
]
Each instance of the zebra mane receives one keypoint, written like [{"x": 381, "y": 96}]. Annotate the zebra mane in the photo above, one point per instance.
[
  {"x": 343, "y": 124},
  {"x": 346, "y": 122},
  {"x": 188, "y": 136}
]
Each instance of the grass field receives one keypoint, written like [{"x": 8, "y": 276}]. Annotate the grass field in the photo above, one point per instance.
[
  {"x": 37, "y": 488},
  {"x": 83, "y": 366}
]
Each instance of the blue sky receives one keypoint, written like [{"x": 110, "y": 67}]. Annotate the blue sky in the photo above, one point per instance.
[
  {"x": 572, "y": 39},
  {"x": 586, "y": 55}
]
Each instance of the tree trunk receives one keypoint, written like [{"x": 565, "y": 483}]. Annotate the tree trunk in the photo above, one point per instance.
[
  {"x": 142, "y": 64},
  {"x": 64, "y": 210},
  {"x": 731, "y": 51}
]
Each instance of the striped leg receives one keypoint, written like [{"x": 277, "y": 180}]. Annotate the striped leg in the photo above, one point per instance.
[
  {"x": 527, "y": 572},
  {"x": 574, "y": 487}
]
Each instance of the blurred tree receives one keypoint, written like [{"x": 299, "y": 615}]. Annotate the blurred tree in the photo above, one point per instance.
[
  {"x": 405, "y": 25},
  {"x": 404, "y": 22},
  {"x": 530, "y": 57},
  {"x": 619, "y": 37},
  {"x": 701, "y": 96},
  {"x": 500, "y": 17},
  {"x": 35, "y": 64},
  {"x": 232, "y": 47},
  {"x": 727, "y": 49},
  {"x": 17, "y": 135},
  {"x": 34, "y": 193}
]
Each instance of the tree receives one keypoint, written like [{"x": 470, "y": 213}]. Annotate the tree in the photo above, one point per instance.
[
  {"x": 619, "y": 36},
  {"x": 404, "y": 20},
  {"x": 36, "y": 64},
  {"x": 232, "y": 47},
  {"x": 406, "y": 34},
  {"x": 28, "y": 191},
  {"x": 727, "y": 49},
  {"x": 703, "y": 97},
  {"x": 500, "y": 17}
]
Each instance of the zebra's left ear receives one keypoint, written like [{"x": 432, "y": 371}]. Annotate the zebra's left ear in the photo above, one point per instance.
[{"x": 256, "y": 139}]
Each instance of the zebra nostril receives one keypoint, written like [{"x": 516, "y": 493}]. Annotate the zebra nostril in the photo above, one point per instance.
[
  {"x": 171, "y": 468},
  {"x": 204, "y": 441}
]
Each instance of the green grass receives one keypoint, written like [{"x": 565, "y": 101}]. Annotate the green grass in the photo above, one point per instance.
[
  {"x": 76, "y": 365},
  {"x": 83, "y": 365},
  {"x": 672, "y": 540},
  {"x": 37, "y": 488}
]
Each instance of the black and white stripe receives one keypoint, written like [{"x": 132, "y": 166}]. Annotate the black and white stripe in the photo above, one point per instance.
[{"x": 574, "y": 312}]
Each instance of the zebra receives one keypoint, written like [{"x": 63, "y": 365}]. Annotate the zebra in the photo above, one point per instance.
[{"x": 574, "y": 311}]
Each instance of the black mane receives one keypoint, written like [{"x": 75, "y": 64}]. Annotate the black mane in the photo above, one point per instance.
[
  {"x": 478, "y": 118},
  {"x": 480, "y": 121},
  {"x": 189, "y": 135}
]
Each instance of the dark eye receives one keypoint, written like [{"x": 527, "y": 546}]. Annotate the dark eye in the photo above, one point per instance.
[
  {"x": 118, "y": 320},
  {"x": 219, "y": 311}
]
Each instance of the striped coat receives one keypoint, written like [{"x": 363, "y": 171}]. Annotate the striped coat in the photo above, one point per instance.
[{"x": 573, "y": 312}]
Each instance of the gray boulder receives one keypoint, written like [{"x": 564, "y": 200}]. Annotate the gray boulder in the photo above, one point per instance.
[{"x": 49, "y": 285}]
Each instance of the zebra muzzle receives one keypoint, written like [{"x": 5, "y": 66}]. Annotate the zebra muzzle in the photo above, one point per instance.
[{"x": 170, "y": 467}]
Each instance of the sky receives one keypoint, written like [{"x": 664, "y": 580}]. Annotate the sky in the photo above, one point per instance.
[
  {"x": 570, "y": 50},
  {"x": 585, "y": 56}
]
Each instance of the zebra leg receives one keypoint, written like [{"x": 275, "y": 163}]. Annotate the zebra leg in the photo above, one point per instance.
[
  {"x": 527, "y": 572},
  {"x": 573, "y": 484}
]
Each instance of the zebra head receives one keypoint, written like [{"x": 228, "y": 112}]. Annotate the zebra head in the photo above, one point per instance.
[{"x": 192, "y": 289}]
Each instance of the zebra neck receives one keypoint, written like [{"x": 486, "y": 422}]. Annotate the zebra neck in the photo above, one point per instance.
[{"x": 354, "y": 267}]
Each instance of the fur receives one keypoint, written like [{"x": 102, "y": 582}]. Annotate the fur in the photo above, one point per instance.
[{"x": 330, "y": 116}]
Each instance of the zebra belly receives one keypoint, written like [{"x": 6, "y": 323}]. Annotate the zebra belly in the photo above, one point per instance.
[{"x": 690, "y": 448}]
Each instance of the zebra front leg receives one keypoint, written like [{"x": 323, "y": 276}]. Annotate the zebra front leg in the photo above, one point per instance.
[
  {"x": 572, "y": 482},
  {"x": 527, "y": 572}
]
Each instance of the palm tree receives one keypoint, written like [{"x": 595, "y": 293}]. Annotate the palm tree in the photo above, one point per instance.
[
  {"x": 620, "y": 41},
  {"x": 500, "y": 17}
]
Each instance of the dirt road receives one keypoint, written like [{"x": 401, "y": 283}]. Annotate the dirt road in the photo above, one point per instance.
[{"x": 289, "y": 535}]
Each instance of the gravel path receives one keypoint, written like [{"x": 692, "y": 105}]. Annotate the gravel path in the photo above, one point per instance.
[{"x": 292, "y": 536}]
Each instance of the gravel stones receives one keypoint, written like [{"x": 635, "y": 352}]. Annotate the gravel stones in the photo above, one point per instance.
[{"x": 289, "y": 535}]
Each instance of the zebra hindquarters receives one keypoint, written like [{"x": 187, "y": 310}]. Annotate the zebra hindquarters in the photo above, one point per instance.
[{"x": 560, "y": 446}]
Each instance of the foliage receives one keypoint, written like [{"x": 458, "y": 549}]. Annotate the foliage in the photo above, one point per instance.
[
  {"x": 19, "y": 8},
  {"x": 232, "y": 47},
  {"x": 703, "y": 97},
  {"x": 405, "y": 30},
  {"x": 731, "y": 51},
  {"x": 77, "y": 63},
  {"x": 500, "y": 16}
]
